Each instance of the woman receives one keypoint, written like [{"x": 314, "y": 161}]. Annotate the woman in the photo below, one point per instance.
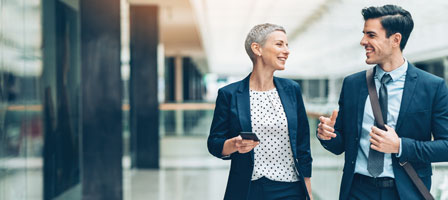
[{"x": 279, "y": 165}]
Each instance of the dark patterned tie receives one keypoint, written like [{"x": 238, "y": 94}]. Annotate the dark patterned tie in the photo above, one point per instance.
[{"x": 376, "y": 159}]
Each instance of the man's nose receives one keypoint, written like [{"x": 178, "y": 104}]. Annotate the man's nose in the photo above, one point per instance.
[{"x": 363, "y": 41}]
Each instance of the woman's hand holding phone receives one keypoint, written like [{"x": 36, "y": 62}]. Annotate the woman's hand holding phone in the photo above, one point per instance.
[
  {"x": 245, "y": 145},
  {"x": 238, "y": 144}
]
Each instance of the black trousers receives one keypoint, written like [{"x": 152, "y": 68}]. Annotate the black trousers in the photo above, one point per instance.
[
  {"x": 265, "y": 189},
  {"x": 363, "y": 189}
]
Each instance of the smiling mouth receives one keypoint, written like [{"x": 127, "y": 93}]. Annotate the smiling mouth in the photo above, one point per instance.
[{"x": 282, "y": 58}]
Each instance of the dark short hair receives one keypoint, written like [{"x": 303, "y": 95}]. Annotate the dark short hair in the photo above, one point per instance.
[{"x": 394, "y": 19}]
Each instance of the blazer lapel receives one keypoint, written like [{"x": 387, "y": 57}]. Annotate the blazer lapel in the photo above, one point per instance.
[
  {"x": 362, "y": 97},
  {"x": 243, "y": 104},
  {"x": 408, "y": 93},
  {"x": 288, "y": 102}
]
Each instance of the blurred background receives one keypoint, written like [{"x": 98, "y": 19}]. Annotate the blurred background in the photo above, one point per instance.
[{"x": 113, "y": 99}]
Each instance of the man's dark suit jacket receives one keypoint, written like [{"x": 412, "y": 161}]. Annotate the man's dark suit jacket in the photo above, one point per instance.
[
  {"x": 232, "y": 115},
  {"x": 423, "y": 111}
]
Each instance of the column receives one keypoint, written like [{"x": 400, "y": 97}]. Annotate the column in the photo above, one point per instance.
[
  {"x": 144, "y": 111},
  {"x": 170, "y": 92},
  {"x": 179, "y": 93},
  {"x": 101, "y": 97},
  {"x": 60, "y": 91},
  {"x": 178, "y": 78}
]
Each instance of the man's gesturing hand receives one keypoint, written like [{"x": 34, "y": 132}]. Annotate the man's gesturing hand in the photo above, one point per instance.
[{"x": 325, "y": 130}]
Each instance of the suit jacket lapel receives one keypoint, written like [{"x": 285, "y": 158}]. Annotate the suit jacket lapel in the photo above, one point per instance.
[
  {"x": 243, "y": 104},
  {"x": 288, "y": 101},
  {"x": 408, "y": 93},
  {"x": 362, "y": 97}
]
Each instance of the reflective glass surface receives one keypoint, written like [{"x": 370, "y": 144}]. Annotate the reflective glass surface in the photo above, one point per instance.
[{"x": 21, "y": 131}]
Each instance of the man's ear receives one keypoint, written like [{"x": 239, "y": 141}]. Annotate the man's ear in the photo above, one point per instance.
[
  {"x": 396, "y": 39},
  {"x": 256, "y": 48}
]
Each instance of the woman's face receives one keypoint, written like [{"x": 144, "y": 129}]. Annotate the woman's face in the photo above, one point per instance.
[{"x": 274, "y": 52}]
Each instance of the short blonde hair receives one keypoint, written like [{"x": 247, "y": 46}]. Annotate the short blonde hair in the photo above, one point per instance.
[{"x": 259, "y": 34}]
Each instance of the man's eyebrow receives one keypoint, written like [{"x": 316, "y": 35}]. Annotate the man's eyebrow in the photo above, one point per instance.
[{"x": 369, "y": 32}]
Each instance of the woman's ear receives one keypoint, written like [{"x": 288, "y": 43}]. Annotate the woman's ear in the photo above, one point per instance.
[{"x": 256, "y": 48}]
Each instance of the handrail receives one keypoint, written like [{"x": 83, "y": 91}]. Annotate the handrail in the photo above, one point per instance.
[{"x": 126, "y": 107}]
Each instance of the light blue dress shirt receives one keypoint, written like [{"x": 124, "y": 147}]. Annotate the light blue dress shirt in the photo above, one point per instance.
[{"x": 394, "y": 95}]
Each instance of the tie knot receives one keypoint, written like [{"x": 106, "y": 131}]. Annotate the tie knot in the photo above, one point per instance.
[{"x": 386, "y": 78}]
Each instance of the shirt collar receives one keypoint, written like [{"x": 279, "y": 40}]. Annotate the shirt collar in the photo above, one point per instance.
[{"x": 395, "y": 74}]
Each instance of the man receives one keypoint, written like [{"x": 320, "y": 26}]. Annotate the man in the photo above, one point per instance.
[{"x": 416, "y": 116}]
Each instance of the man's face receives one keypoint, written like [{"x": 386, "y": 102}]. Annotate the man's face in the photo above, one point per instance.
[{"x": 378, "y": 47}]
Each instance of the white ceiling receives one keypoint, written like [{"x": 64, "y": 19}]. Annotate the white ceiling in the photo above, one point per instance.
[
  {"x": 323, "y": 34},
  {"x": 225, "y": 24}
]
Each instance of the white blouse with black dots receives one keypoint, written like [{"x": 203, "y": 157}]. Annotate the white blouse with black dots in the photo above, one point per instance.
[{"x": 273, "y": 157}]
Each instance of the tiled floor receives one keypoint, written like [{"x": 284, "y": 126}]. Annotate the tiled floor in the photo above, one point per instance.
[
  {"x": 191, "y": 183},
  {"x": 205, "y": 179},
  {"x": 190, "y": 173},
  {"x": 175, "y": 184}
]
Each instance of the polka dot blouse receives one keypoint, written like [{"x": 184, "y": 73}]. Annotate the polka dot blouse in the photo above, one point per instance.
[{"x": 273, "y": 157}]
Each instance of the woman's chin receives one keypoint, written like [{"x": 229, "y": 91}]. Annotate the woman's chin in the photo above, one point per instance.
[{"x": 280, "y": 68}]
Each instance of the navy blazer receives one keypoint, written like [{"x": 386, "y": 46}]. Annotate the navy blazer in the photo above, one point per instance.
[
  {"x": 423, "y": 111},
  {"x": 232, "y": 116}
]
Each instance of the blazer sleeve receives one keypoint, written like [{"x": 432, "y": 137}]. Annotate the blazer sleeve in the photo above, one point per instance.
[
  {"x": 337, "y": 145},
  {"x": 436, "y": 150},
  {"x": 304, "y": 158},
  {"x": 220, "y": 126}
]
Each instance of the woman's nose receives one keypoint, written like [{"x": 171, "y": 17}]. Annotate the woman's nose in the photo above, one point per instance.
[{"x": 286, "y": 50}]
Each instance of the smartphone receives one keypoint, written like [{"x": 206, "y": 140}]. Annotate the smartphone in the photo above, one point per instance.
[{"x": 249, "y": 136}]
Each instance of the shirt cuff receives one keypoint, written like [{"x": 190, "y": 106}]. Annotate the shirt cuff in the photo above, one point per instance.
[
  {"x": 317, "y": 135},
  {"x": 399, "y": 151}
]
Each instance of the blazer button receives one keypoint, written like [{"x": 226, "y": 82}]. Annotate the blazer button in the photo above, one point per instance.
[{"x": 353, "y": 162}]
